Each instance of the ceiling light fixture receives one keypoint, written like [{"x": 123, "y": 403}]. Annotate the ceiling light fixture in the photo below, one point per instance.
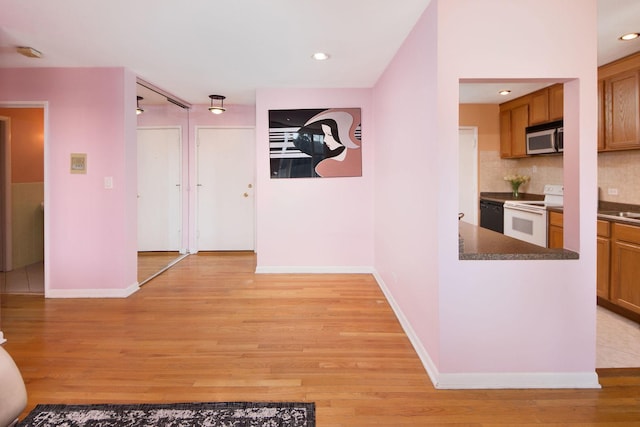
[
  {"x": 629, "y": 36},
  {"x": 217, "y": 109},
  {"x": 29, "y": 52},
  {"x": 320, "y": 56},
  {"x": 504, "y": 92},
  {"x": 138, "y": 109}
]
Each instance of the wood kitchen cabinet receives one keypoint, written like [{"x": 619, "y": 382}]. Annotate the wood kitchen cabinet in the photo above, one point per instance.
[
  {"x": 603, "y": 250},
  {"x": 514, "y": 119},
  {"x": 541, "y": 106},
  {"x": 619, "y": 104},
  {"x": 601, "y": 143},
  {"x": 547, "y": 105},
  {"x": 625, "y": 266},
  {"x": 555, "y": 237},
  {"x": 556, "y": 102},
  {"x": 622, "y": 112}
]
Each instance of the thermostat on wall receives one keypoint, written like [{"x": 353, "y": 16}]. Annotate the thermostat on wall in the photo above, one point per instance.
[{"x": 78, "y": 163}]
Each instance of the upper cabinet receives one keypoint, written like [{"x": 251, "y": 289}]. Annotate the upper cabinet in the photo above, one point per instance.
[
  {"x": 542, "y": 106},
  {"x": 556, "y": 102},
  {"x": 539, "y": 107},
  {"x": 619, "y": 104},
  {"x": 514, "y": 118}
]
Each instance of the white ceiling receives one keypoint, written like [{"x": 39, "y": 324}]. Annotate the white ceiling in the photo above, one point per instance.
[{"x": 232, "y": 47}]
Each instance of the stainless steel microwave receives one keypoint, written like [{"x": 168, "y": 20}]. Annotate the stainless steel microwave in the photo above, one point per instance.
[{"x": 545, "y": 138}]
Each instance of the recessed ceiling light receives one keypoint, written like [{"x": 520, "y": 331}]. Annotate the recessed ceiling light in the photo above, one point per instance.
[
  {"x": 629, "y": 36},
  {"x": 504, "y": 92},
  {"x": 320, "y": 56}
]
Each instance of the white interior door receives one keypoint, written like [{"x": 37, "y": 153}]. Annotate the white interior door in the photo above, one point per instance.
[
  {"x": 159, "y": 189},
  {"x": 225, "y": 173},
  {"x": 468, "y": 174}
]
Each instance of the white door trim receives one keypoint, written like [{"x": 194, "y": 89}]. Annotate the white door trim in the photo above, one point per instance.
[{"x": 472, "y": 217}]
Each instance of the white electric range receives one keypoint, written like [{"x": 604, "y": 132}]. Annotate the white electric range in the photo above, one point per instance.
[{"x": 527, "y": 219}]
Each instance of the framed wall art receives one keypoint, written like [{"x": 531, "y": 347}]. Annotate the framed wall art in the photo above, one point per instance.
[{"x": 315, "y": 143}]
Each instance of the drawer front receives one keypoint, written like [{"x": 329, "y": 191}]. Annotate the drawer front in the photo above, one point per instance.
[
  {"x": 555, "y": 218},
  {"x": 604, "y": 228},
  {"x": 627, "y": 233}
]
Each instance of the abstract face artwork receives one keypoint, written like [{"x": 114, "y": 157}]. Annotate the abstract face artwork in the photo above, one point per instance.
[{"x": 315, "y": 143}]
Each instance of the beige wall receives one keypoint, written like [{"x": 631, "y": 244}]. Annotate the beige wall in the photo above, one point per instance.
[
  {"x": 621, "y": 170},
  {"x": 27, "y": 223},
  {"x": 486, "y": 117}
]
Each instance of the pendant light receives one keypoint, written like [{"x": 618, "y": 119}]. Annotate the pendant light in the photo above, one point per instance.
[
  {"x": 138, "y": 109},
  {"x": 217, "y": 109}
]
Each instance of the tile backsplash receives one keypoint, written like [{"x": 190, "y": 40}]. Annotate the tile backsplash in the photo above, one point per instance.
[
  {"x": 542, "y": 170},
  {"x": 619, "y": 170}
]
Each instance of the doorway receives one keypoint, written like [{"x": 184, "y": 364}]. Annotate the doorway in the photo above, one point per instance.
[
  {"x": 22, "y": 199},
  {"x": 225, "y": 170},
  {"x": 468, "y": 174}
]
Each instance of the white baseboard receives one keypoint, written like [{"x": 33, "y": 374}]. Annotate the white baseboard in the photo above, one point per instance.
[
  {"x": 515, "y": 380},
  {"x": 314, "y": 270},
  {"x": 92, "y": 293},
  {"x": 426, "y": 360}
]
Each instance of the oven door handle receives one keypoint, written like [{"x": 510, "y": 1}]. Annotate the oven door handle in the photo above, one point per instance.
[{"x": 525, "y": 208}]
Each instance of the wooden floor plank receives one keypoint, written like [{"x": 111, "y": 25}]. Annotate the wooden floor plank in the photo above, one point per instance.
[{"x": 209, "y": 329}]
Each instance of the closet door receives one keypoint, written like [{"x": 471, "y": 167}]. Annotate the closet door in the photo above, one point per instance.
[{"x": 159, "y": 189}]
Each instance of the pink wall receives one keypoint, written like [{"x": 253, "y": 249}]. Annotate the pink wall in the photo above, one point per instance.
[
  {"x": 406, "y": 182},
  {"x": 497, "y": 323},
  {"x": 89, "y": 229},
  {"x": 314, "y": 224}
]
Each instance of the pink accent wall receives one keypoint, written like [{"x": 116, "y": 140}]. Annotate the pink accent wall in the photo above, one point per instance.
[
  {"x": 314, "y": 223},
  {"x": 485, "y": 316},
  {"x": 90, "y": 231},
  {"x": 407, "y": 182}
]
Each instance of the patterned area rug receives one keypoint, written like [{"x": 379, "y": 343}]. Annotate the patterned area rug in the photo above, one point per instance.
[{"x": 215, "y": 414}]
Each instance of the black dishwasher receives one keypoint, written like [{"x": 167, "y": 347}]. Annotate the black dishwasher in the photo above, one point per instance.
[{"x": 492, "y": 215}]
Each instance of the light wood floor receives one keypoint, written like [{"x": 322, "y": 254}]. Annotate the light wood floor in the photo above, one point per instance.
[{"x": 211, "y": 330}]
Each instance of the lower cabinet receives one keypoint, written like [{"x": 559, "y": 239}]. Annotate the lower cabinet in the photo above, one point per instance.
[
  {"x": 603, "y": 247},
  {"x": 555, "y": 236},
  {"x": 625, "y": 266},
  {"x": 618, "y": 263}
]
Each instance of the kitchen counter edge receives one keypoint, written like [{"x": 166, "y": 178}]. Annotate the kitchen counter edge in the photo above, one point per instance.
[{"x": 477, "y": 243}]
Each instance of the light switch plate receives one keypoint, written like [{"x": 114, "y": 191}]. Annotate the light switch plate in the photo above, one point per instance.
[{"x": 108, "y": 182}]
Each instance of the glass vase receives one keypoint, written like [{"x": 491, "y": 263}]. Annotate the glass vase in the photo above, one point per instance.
[{"x": 515, "y": 190}]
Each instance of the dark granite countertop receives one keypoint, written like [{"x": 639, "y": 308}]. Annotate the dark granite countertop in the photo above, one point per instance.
[
  {"x": 479, "y": 243},
  {"x": 503, "y": 197},
  {"x": 620, "y": 207},
  {"x": 609, "y": 207}
]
